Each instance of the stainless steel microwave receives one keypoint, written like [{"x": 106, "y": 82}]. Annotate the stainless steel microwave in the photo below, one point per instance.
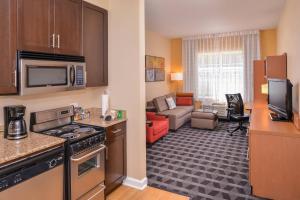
[{"x": 45, "y": 73}]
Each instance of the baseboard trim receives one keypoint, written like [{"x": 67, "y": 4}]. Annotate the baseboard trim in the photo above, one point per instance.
[{"x": 135, "y": 183}]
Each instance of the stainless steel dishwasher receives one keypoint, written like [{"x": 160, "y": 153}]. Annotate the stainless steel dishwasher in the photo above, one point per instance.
[{"x": 37, "y": 177}]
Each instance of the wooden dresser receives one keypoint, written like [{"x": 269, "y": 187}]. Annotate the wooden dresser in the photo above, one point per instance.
[{"x": 274, "y": 157}]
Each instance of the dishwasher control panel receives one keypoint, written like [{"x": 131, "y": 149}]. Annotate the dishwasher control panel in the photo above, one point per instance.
[{"x": 26, "y": 169}]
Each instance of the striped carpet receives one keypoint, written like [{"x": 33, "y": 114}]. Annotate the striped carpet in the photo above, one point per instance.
[{"x": 201, "y": 164}]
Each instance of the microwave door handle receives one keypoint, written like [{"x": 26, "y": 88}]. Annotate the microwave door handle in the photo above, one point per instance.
[{"x": 72, "y": 75}]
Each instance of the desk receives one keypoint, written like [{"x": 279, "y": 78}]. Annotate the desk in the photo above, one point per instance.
[{"x": 274, "y": 157}]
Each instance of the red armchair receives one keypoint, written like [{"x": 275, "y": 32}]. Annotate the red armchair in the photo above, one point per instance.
[{"x": 157, "y": 126}]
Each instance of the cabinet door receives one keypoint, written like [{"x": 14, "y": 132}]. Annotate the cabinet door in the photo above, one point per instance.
[
  {"x": 8, "y": 46},
  {"x": 68, "y": 26},
  {"x": 95, "y": 44},
  {"x": 35, "y": 25},
  {"x": 115, "y": 163},
  {"x": 276, "y": 66}
]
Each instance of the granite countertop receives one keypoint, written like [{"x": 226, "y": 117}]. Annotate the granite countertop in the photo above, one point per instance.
[
  {"x": 12, "y": 150},
  {"x": 95, "y": 119}
]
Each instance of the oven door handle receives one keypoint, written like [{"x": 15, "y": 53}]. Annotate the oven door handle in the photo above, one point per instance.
[{"x": 89, "y": 154}]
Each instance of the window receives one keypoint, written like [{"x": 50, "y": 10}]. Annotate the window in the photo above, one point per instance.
[{"x": 220, "y": 73}]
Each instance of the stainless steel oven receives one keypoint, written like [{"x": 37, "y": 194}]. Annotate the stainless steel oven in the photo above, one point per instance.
[
  {"x": 44, "y": 73},
  {"x": 87, "y": 174}
]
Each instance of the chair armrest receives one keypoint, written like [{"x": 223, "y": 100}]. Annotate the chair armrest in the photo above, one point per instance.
[
  {"x": 149, "y": 123},
  {"x": 150, "y": 115},
  {"x": 160, "y": 117},
  {"x": 230, "y": 110}
]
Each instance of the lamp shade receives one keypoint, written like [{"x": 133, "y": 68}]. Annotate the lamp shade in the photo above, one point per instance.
[
  {"x": 176, "y": 76},
  {"x": 264, "y": 89}
]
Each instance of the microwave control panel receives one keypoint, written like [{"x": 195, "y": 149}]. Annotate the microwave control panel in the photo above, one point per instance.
[{"x": 80, "y": 76}]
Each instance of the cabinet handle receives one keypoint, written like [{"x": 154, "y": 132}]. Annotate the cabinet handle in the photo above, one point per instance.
[
  {"x": 248, "y": 154},
  {"x": 58, "y": 41},
  {"x": 116, "y": 131},
  {"x": 15, "y": 78},
  {"x": 53, "y": 41}
]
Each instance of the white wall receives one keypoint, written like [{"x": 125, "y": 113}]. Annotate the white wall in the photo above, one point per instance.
[
  {"x": 289, "y": 41},
  {"x": 126, "y": 76},
  {"x": 158, "y": 45}
]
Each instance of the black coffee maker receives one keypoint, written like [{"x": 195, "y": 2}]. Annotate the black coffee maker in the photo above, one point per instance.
[{"x": 14, "y": 123}]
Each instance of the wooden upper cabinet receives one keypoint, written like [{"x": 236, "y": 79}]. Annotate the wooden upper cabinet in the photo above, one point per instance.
[
  {"x": 50, "y": 26},
  {"x": 35, "y": 25},
  {"x": 95, "y": 44},
  {"x": 276, "y": 66},
  {"x": 68, "y": 26},
  {"x": 8, "y": 45}
]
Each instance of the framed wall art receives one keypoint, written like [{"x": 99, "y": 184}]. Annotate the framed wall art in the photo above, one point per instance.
[{"x": 155, "y": 68}]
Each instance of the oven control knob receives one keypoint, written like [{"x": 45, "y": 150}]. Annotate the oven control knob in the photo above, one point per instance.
[
  {"x": 52, "y": 163},
  {"x": 17, "y": 178},
  {"x": 91, "y": 141},
  {"x": 84, "y": 144}
]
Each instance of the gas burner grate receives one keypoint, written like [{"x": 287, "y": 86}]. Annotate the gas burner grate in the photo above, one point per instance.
[
  {"x": 85, "y": 130},
  {"x": 70, "y": 128},
  {"x": 53, "y": 132},
  {"x": 70, "y": 136}
]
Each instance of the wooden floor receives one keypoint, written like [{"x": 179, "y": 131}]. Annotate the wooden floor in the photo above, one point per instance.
[{"x": 150, "y": 193}]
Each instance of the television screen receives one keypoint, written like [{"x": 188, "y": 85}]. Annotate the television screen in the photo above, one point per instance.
[
  {"x": 277, "y": 93},
  {"x": 280, "y": 99}
]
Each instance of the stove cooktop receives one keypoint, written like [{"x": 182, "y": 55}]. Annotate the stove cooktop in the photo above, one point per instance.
[{"x": 75, "y": 131}]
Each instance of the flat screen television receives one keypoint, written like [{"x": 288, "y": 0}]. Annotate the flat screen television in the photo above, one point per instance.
[{"x": 280, "y": 99}]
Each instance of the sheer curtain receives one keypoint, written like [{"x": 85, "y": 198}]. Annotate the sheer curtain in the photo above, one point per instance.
[{"x": 216, "y": 64}]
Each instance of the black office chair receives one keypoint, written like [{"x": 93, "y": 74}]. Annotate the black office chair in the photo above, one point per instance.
[{"x": 235, "y": 112}]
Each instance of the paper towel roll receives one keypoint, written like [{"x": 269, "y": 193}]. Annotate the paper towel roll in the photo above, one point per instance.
[{"x": 104, "y": 104}]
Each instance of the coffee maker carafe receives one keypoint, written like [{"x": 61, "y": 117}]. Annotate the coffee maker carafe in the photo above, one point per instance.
[{"x": 14, "y": 123}]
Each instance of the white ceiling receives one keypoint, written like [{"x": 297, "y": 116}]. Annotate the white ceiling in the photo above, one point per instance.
[{"x": 178, "y": 18}]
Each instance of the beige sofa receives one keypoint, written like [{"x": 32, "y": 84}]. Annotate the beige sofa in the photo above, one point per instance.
[{"x": 178, "y": 116}]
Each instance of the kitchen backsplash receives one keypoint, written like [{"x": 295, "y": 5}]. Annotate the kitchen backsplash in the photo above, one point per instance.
[{"x": 87, "y": 98}]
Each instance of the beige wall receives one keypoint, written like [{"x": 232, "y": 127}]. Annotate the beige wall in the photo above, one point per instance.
[
  {"x": 289, "y": 42},
  {"x": 127, "y": 76},
  {"x": 268, "y": 42},
  {"x": 176, "y": 62},
  {"x": 86, "y": 98},
  {"x": 100, "y": 3},
  {"x": 157, "y": 45}
]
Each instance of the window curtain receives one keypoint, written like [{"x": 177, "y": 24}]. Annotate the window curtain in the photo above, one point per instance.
[{"x": 217, "y": 64}]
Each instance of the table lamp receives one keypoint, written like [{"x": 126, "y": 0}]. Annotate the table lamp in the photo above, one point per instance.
[
  {"x": 178, "y": 76},
  {"x": 264, "y": 88}
]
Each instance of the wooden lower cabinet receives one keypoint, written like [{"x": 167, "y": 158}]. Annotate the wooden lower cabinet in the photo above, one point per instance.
[
  {"x": 274, "y": 161},
  {"x": 115, "y": 168}
]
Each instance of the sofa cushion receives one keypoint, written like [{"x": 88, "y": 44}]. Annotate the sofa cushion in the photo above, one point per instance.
[
  {"x": 177, "y": 112},
  {"x": 173, "y": 95},
  {"x": 171, "y": 103},
  {"x": 184, "y": 101},
  {"x": 204, "y": 115},
  {"x": 187, "y": 108},
  {"x": 160, "y": 126},
  {"x": 160, "y": 103}
]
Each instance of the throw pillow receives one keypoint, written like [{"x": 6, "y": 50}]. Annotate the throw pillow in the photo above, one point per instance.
[
  {"x": 184, "y": 101},
  {"x": 171, "y": 103}
]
